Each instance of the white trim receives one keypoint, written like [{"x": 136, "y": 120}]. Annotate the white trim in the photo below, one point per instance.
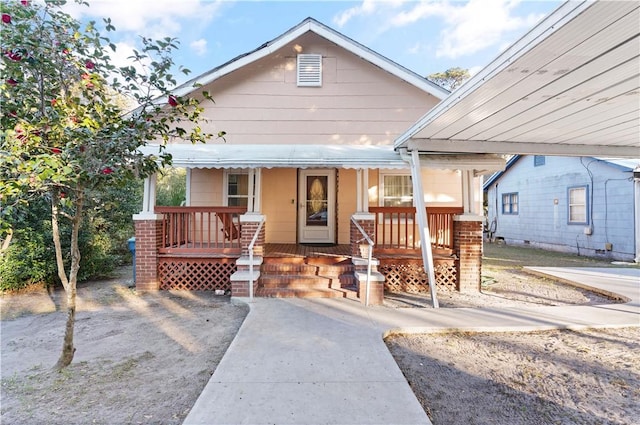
[
  {"x": 188, "y": 191},
  {"x": 519, "y": 148},
  {"x": 147, "y": 216},
  {"x": 468, "y": 217}
]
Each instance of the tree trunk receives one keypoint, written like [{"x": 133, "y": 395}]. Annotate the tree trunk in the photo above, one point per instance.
[{"x": 68, "y": 350}]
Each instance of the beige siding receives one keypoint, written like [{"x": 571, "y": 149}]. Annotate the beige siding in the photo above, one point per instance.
[
  {"x": 206, "y": 187},
  {"x": 358, "y": 103}
]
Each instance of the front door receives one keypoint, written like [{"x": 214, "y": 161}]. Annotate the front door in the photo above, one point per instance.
[{"x": 316, "y": 207}]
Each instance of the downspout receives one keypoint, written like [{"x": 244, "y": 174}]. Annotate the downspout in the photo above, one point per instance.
[{"x": 421, "y": 214}]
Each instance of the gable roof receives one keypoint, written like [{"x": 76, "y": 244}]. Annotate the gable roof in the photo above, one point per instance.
[
  {"x": 311, "y": 25},
  {"x": 622, "y": 164},
  {"x": 568, "y": 87}
]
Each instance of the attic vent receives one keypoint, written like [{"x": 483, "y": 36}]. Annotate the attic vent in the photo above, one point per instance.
[{"x": 310, "y": 70}]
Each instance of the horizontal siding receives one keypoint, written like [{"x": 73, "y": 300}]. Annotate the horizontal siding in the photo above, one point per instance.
[
  {"x": 543, "y": 205},
  {"x": 357, "y": 103}
]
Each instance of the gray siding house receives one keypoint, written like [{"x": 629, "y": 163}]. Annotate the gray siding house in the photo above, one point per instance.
[{"x": 583, "y": 205}]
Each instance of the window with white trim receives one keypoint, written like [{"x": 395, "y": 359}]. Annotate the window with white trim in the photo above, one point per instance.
[
  {"x": 396, "y": 190},
  {"x": 236, "y": 188},
  {"x": 578, "y": 205},
  {"x": 309, "y": 69},
  {"x": 510, "y": 203}
]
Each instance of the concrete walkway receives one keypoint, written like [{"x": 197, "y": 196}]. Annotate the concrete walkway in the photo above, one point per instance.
[{"x": 323, "y": 361}]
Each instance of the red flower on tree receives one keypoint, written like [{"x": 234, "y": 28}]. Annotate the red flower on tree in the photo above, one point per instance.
[
  {"x": 24, "y": 2},
  {"x": 56, "y": 150},
  {"x": 173, "y": 101},
  {"x": 6, "y": 18},
  {"x": 14, "y": 56},
  {"x": 107, "y": 170},
  {"x": 11, "y": 82},
  {"x": 89, "y": 65}
]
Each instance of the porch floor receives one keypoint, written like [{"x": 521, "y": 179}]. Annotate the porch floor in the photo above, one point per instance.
[{"x": 283, "y": 250}]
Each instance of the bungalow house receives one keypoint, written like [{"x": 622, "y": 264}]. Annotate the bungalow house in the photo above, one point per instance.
[
  {"x": 308, "y": 179},
  {"x": 314, "y": 191},
  {"x": 584, "y": 205}
]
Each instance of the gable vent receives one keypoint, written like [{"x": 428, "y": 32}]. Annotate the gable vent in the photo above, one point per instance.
[{"x": 310, "y": 70}]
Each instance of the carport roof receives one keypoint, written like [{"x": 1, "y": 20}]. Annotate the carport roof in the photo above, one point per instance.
[{"x": 571, "y": 86}]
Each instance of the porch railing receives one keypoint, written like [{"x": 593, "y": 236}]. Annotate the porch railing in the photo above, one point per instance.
[
  {"x": 397, "y": 227},
  {"x": 200, "y": 230}
]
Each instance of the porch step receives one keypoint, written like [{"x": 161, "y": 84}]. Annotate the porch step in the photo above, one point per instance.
[
  {"x": 309, "y": 277},
  {"x": 297, "y": 293}
]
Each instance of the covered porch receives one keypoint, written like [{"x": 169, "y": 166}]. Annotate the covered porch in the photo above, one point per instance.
[{"x": 234, "y": 248}]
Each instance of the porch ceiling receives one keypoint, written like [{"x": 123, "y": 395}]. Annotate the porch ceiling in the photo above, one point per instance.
[{"x": 571, "y": 86}]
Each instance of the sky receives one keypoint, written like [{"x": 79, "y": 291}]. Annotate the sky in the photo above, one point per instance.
[{"x": 425, "y": 36}]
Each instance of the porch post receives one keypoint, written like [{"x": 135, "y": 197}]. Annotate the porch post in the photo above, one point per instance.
[
  {"x": 365, "y": 190},
  {"x": 148, "y": 231},
  {"x": 467, "y": 191},
  {"x": 467, "y": 244},
  {"x": 421, "y": 214},
  {"x": 250, "y": 190},
  {"x": 467, "y": 237},
  {"x": 359, "y": 190},
  {"x": 257, "y": 190},
  {"x": 149, "y": 196}
]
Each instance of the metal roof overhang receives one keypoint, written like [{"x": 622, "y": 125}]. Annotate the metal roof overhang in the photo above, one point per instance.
[
  {"x": 222, "y": 155},
  {"x": 571, "y": 86}
]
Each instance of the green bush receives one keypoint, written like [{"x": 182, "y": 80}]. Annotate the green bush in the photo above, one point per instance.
[{"x": 102, "y": 240}]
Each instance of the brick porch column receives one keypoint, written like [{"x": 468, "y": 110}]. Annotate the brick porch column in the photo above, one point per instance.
[
  {"x": 148, "y": 241},
  {"x": 368, "y": 223},
  {"x": 240, "y": 279},
  {"x": 467, "y": 244}
]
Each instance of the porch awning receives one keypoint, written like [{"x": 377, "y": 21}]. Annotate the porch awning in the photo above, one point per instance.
[{"x": 222, "y": 155}]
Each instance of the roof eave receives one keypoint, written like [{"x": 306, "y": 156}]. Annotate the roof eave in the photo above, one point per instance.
[
  {"x": 339, "y": 39},
  {"x": 530, "y": 40}
]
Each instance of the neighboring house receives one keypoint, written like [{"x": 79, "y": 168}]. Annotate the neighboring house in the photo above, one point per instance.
[
  {"x": 308, "y": 174},
  {"x": 583, "y": 205}
]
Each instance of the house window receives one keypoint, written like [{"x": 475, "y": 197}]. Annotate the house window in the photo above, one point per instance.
[
  {"x": 397, "y": 190},
  {"x": 309, "y": 70},
  {"x": 538, "y": 160},
  {"x": 510, "y": 203},
  {"x": 237, "y": 189},
  {"x": 578, "y": 205}
]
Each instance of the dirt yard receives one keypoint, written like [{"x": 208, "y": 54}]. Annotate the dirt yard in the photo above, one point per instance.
[
  {"x": 144, "y": 359},
  {"x": 589, "y": 377},
  {"x": 139, "y": 359}
]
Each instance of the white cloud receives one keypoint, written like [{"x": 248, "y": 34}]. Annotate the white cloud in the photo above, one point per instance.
[
  {"x": 465, "y": 27},
  {"x": 479, "y": 24},
  {"x": 199, "y": 46},
  {"x": 366, "y": 8},
  {"x": 155, "y": 19}
]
